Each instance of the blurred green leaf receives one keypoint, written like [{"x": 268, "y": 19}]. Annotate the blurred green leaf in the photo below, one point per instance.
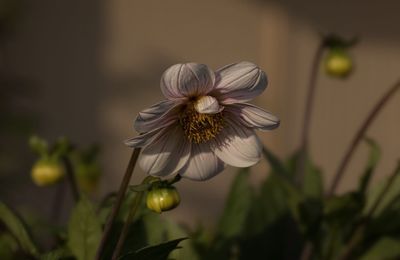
[
  {"x": 56, "y": 254},
  {"x": 269, "y": 205},
  {"x": 343, "y": 209},
  {"x": 313, "y": 183},
  {"x": 140, "y": 187},
  {"x": 390, "y": 196},
  {"x": 386, "y": 248},
  {"x": 157, "y": 252},
  {"x": 17, "y": 228},
  {"x": 8, "y": 245},
  {"x": 237, "y": 206},
  {"x": 373, "y": 159},
  {"x": 276, "y": 165},
  {"x": 84, "y": 231}
]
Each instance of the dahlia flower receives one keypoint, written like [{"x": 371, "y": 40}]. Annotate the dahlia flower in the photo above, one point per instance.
[{"x": 204, "y": 123}]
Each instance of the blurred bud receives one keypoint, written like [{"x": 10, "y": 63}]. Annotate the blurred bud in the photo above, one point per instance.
[
  {"x": 338, "y": 63},
  {"x": 161, "y": 199},
  {"x": 47, "y": 172}
]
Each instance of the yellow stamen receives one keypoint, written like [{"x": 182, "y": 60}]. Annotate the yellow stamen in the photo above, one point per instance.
[{"x": 200, "y": 128}]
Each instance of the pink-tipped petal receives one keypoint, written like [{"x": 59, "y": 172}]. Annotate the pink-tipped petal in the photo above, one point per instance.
[
  {"x": 253, "y": 116},
  {"x": 187, "y": 80},
  {"x": 203, "y": 164},
  {"x": 157, "y": 116},
  {"x": 237, "y": 145},
  {"x": 166, "y": 154},
  {"x": 239, "y": 82},
  {"x": 208, "y": 105}
]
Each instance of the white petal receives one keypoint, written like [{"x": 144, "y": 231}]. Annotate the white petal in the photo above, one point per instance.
[
  {"x": 142, "y": 139},
  {"x": 203, "y": 164},
  {"x": 238, "y": 145},
  {"x": 167, "y": 153},
  {"x": 239, "y": 82},
  {"x": 156, "y": 116},
  {"x": 253, "y": 116},
  {"x": 208, "y": 105},
  {"x": 187, "y": 80}
]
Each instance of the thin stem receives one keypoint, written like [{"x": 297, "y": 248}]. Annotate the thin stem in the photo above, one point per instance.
[
  {"x": 360, "y": 228},
  {"x": 359, "y": 136},
  {"x": 304, "y": 143},
  {"x": 71, "y": 178},
  {"x": 128, "y": 222},
  {"x": 118, "y": 203}
]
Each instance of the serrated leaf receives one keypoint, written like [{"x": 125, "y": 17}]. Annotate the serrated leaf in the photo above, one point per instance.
[
  {"x": 84, "y": 231},
  {"x": 373, "y": 159},
  {"x": 385, "y": 248},
  {"x": 237, "y": 206},
  {"x": 156, "y": 252},
  {"x": 16, "y": 227}
]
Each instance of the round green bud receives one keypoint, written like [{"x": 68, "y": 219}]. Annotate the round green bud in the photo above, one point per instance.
[
  {"x": 161, "y": 199},
  {"x": 338, "y": 63},
  {"x": 47, "y": 172}
]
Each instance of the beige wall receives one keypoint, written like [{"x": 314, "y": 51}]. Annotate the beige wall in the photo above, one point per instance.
[{"x": 99, "y": 63}]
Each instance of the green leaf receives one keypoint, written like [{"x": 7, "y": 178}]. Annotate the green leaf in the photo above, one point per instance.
[
  {"x": 373, "y": 159},
  {"x": 17, "y": 228},
  {"x": 276, "y": 165},
  {"x": 313, "y": 183},
  {"x": 56, "y": 254},
  {"x": 8, "y": 245},
  {"x": 390, "y": 196},
  {"x": 84, "y": 231},
  {"x": 385, "y": 248},
  {"x": 157, "y": 252},
  {"x": 237, "y": 206}
]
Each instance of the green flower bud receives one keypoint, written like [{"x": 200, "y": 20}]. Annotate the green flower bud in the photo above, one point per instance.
[
  {"x": 46, "y": 172},
  {"x": 338, "y": 63},
  {"x": 161, "y": 199}
]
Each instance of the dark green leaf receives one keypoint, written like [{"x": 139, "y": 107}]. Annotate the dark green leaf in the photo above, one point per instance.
[
  {"x": 385, "y": 248},
  {"x": 313, "y": 183},
  {"x": 84, "y": 231},
  {"x": 374, "y": 156},
  {"x": 17, "y": 228},
  {"x": 276, "y": 165},
  {"x": 237, "y": 206},
  {"x": 8, "y": 245},
  {"x": 56, "y": 254},
  {"x": 374, "y": 194},
  {"x": 157, "y": 252}
]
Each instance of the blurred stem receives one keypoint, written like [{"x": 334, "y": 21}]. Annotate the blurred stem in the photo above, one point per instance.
[
  {"x": 357, "y": 236},
  {"x": 71, "y": 178},
  {"x": 125, "y": 229},
  {"x": 118, "y": 203},
  {"x": 359, "y": 136},
  {"x": 304, "y": 143},
  {"x": 58, "y": 201}
]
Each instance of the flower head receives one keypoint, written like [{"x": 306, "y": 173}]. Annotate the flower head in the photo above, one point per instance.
[{"x": 205, "y": 122}]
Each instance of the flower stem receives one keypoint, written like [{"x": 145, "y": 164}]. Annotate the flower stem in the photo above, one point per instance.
[
  {"x": 118, "y": 203},
  {"x": 125, "y": 229},
  {"x": 359, "y": 135},
  {"x": 71, "y": 178},
  {"x": 304, "y": 143}
]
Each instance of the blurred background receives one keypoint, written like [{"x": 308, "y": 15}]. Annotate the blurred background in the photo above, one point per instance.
[{"x": 84, "y": 69}]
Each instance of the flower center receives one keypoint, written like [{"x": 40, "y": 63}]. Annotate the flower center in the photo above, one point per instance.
[{"x": 200, "y": 128}]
